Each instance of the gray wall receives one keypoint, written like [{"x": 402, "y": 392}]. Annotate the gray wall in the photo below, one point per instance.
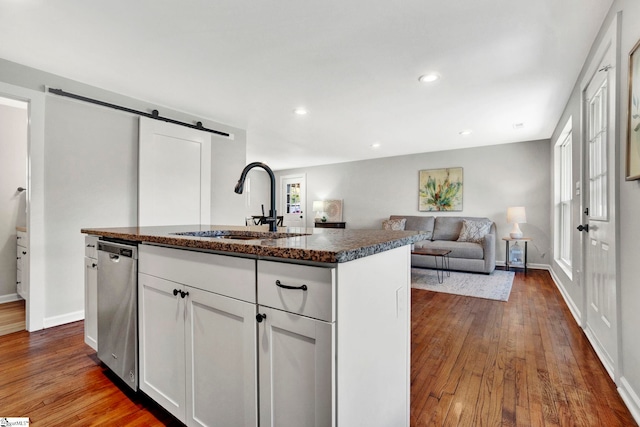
[
  {"x": 13, "y": 174},
  {"x": 627, "y": 204},
  {"x": 495, "y": 177},
  {"x": 91, "y": 177}
]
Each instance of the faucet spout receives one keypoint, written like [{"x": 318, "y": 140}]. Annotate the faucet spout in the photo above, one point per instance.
[{"x": 272, "y": 219}]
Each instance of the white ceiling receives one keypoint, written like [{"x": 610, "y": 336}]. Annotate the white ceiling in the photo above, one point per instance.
[{"x": 353, "y": 64}]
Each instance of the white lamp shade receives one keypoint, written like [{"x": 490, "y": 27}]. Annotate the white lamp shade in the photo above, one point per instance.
[
  {"x": 318, "y": 206},
  {"x": 516, "y": 215}
]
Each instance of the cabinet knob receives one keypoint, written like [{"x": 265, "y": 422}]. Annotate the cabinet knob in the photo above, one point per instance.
[
  {"x": 24, "y": 252},
  {"x": 175, "y": 292},
  {"x": 260, "y": 317},
  {"x": 184, "y": 294},
  {"x": 94, "y": 265}
]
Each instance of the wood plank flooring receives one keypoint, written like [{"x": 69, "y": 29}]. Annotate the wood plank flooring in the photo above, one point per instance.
[
  {"x": 475, "y": 362},
  {"x": 12, "y": 317}
]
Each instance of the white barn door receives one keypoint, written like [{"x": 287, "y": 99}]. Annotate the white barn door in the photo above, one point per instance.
[{"x": 174, "y": 175}]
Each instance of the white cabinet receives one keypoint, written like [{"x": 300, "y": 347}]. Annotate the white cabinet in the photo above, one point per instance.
[
  {"x": 221, "y": 360},
  {"x": 91, "y": 291},
  {"x": 296, "y": 344},
  {"x": 198, "y": 356},
  {"x": 297, "y": 364},
  {"x": 329, "y": 344},
  {"x": 22, "y": 264},
  {"x": 161, "y": 343},
  {"x": 334, "y": 347}
]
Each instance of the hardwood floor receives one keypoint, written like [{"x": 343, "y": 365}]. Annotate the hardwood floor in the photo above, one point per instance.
[
  {"x": 475, "y": 362},
  {"x": 526, "y": 362},
  {"x": 12, "y": 317}
]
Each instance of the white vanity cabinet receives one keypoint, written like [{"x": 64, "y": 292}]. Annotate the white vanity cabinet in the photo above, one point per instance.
[
  {"x": 91, "y": 291},
  {"x": 22, "y": 264},
  {"x": 197, "y": 335},
  {"x": 296, "y": 344}
]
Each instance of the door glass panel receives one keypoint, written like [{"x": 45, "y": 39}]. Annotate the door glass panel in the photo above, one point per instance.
[
  {"x": 597, "y": 141},
  {"x": 293, "y": 198}
]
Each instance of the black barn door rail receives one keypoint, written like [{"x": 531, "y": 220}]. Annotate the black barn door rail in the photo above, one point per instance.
[{"x": 153, "y": 115}]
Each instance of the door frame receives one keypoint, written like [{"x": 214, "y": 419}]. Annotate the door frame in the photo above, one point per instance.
[
  {"x": 35, "y": 201},
  {"x": 303, "y": 190},
  {"x": 609, "y": 40}
]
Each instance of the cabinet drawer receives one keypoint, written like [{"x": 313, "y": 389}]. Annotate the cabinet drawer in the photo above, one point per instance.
[
  {"x": 225, "y": 275},
  {"x": 21, "y": 239},
  {"x": 317, "y": 301},
  {"x": 91, "y": 246}
]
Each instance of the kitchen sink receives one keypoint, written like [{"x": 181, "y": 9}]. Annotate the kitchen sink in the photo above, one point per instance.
[{"x": 239, "y": 235}]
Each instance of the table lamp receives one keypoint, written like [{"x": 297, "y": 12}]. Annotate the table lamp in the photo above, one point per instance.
[
  {"x": 516, "y": 215},
  {"x": 318, "y": 208}
]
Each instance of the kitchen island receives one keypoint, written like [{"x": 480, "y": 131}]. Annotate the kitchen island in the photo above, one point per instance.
[{"x": 301, "y": 327}]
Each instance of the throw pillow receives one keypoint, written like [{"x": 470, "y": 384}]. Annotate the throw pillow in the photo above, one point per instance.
[
  {"x": 474, "y": 231},
  {"x": 393, "y": 224}
]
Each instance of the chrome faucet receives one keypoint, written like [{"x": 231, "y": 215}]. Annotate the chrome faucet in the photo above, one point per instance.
[{"x": 272, "y": 219}]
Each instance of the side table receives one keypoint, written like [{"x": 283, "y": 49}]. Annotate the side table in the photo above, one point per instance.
[{"x": 507, "y": 262}]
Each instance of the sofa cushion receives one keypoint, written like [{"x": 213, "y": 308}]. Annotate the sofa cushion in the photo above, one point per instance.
[
  {"x": 394, "y": 224},
  {"x": 417, "y": 223},
  {"x": 474, "y": 230},
  {"x": 468, "y": 250},
  {"x": 447, "y": 228}
]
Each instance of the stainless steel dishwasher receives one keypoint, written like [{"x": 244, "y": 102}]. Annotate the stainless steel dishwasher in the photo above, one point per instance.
[{"x": 118, "y": 309}]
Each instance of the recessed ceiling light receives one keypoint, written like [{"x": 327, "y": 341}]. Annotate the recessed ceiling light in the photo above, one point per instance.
[
  {"x": 518, "y": 125},
  {"x": 465, "y": 132},
  {"x": 375, "y": 145},
  {"x": 429, "y": 78},
  {"x": 300, "y": 111}
]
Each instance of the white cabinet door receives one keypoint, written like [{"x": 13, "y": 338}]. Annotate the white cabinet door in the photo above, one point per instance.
[
  {"x": 221, "y": 360},
  {"x": 162, "y": 343},
  {"x": 91, "y": 302},
  {"x": 296, "y": 370}
]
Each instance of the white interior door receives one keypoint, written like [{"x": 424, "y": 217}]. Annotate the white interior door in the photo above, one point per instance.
[
  {"x": 600, "y": 179},
  {"x": 174, "y": 181},
  {"x": 293, "y": 200}
]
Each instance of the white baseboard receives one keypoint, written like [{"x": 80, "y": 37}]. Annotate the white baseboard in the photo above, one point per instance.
[
  {"x": 9, "y": 298},
  {"x": 573, "y": 308},
  {"x": 50, "y": 322},
  {"x": 630, "y": 398}
]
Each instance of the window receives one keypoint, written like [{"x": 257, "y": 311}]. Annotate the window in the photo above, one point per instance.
[{"x": 563, "y": 197}]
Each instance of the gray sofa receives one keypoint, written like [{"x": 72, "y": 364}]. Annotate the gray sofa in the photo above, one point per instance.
[{"x": 477, "y": 257}]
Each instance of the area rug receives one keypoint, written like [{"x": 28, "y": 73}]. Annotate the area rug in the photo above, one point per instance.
[{"x": 495, "y": 286}]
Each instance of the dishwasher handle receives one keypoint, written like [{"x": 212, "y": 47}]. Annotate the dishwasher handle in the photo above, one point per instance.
[{"x": 117, "y": 250}]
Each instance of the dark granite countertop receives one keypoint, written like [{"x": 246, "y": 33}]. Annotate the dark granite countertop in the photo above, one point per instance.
[{"x": 304, "y": 244}]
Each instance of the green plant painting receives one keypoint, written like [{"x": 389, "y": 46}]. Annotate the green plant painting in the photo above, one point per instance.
[{"x": 440, "y": 190}]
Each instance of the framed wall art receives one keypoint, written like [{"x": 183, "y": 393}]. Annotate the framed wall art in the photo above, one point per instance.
[
  {"x": 633, "y": 116},
  {"x": 440, "y": 190},
  {"x": 333, "y": 209}
]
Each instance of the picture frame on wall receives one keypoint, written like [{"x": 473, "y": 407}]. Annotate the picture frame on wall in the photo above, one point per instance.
[
  {"x": 633, "y": 116},
  {"x": 440, "y": 190},
  {"x": 333, "y": 210}
]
